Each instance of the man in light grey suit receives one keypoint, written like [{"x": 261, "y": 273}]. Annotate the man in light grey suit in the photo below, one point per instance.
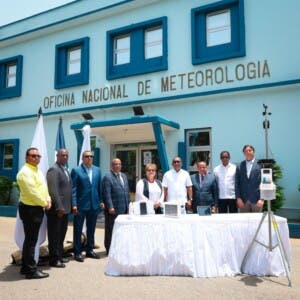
[
  {"x": 60, "y": 189},
  {"x": 247, "y": 181}
]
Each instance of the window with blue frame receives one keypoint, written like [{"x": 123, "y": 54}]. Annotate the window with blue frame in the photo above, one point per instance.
[
  {"x": 72, "y": 63},
  {"x": 137, "y": 49},
  {"x": 9, "y": 158},
  {"x": 218, "y": 31},
  {"x": 11, "y": 77}
]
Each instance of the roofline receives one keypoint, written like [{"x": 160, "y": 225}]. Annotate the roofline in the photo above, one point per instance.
[{"x": 61, "y": 21}]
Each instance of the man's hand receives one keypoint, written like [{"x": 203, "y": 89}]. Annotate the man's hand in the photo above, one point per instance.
[
  {"x": 74, "y": 210},
  {"x": 60, "y": 213},
  {"x": 189, "y": 205},
  {"x": 260, "y": 203},
  {"x": 111, "y": 211},
  {"x": 240, "y": 203},
  {"x": 48, "y": 205},
  {"x": 102, "y": 206}
]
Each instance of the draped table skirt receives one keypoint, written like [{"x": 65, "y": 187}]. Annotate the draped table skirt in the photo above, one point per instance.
[{"x": 192, "y": 245}]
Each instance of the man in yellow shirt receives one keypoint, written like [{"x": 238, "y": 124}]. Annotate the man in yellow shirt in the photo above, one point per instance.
[{"x": 34, "y": 198}]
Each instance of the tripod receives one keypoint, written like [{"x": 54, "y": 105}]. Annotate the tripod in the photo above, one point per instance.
[{"x": 271, "y": 221}]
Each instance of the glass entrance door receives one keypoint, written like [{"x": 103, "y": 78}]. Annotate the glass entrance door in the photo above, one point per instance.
[{"x": 134, "y": 157}]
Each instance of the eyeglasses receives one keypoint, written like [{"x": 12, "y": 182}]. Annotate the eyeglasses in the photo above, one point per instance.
[
  {"x": 88, "y": 156},
  {"x": 225, "y": 157},
  {"x": 151, "y": 170},
  {"x": 176, "y": 161},
  {"x": 35, "y": 155}
]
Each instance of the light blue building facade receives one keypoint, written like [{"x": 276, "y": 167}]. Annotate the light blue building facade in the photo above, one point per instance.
[{"x": 159, "y": 78}]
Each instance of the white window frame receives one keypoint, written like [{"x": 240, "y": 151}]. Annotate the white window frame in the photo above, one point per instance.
[
  {"x": 74, "y": 64},
  {"x": 154, "y": 44},
  {"x": 120, "y": 52},
  {"x": 218, "y": 33},
  {"x": 205, "y": 148},
  {"x": 11, "y": 75}
]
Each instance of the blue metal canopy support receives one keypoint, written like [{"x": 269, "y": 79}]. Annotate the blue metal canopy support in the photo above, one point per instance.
[{"x": 159, "y": 138}]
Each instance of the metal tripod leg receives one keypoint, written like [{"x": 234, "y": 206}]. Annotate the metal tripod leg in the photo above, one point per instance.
[
  {"x": 253, "y": 241},
  {"x": 283, "y": 254},
  {"x": 284, "y": 257}
]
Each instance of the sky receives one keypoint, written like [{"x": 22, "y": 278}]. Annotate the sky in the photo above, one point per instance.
[{"x": 13, "y": 10}]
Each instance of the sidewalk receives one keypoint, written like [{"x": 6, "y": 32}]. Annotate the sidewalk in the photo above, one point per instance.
[{"x": 88, "y": 281}]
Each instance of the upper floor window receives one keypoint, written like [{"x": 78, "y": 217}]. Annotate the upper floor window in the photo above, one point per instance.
[
  {"x": 122, "y": 50},
  {"x": 137, "y": 49},
  {"x": 153, "y": 42},
  {"x": 218, "y": 31},
  {"x": 72, "y": 63},
  {"x": 74, "y": 60},
  {"x": 11, "y": 77}
]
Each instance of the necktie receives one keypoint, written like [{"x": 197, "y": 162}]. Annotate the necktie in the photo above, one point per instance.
[
  {"x": 66, "y": 172},
  {"x": 120, "y": 179},
  {"x": 202, "y": 179}
]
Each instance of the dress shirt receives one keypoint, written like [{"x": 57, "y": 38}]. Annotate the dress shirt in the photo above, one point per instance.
[
  {"x": 225, "y": 176},
  {"x": 89, "y": 172},
  {"x": 249, "y": 164},
  {"x": 155, "y": 193},
  {"x": 33, "y": 187},
  {"x": 177, "y": 182}
]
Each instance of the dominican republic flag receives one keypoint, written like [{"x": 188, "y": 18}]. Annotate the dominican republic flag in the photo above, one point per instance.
[
  {"x": 39, "y": 142},
  {"x": 60, "y": 138}
]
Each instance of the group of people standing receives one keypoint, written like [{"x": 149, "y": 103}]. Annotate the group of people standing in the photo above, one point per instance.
[
  {"x": 84, "y": 193},
  {"x": 227, "y": 189}
]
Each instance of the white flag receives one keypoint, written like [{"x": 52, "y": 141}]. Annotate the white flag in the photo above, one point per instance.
[
  {"x": 86, "y": 144},
  {"x": 38, "y": 142}
]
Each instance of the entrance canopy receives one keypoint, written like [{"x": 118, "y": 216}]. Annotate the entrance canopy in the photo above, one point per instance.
[{"x": 130, "y": 130}]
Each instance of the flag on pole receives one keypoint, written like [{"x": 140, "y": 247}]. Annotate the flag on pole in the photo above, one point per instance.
[
  {"x": 39, "y": 142},
  {"x": 60, "y": 138},
  {"x": 86, "y": 144}
]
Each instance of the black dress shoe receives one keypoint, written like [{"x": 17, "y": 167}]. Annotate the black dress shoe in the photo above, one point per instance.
[
  {"x": 79, "y": 258},
  {"x": 57, "y": 264},
  {"x": 64, "y": 260},
  {"x": 92, "y": 254},
  {"x": 37, "y": 275}
]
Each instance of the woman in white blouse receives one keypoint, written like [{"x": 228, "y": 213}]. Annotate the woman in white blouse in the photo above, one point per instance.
[{"x": 150, "y": 188}]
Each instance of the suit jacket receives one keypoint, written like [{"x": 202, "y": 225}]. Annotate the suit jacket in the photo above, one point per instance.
[
  {"x": 115, "y": 195},
  {"x": 207, "y": 193},
  {"x": 86, "y": 195},
  {"x": 248, "y": 188},
  {"x": 60, "y": 188}
]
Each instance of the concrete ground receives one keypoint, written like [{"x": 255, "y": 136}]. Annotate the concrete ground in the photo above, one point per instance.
[{"x": 88, "y": 281}]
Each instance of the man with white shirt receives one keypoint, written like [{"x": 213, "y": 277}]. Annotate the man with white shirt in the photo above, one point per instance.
[
  {"x": 225, "y": 175},
  {"x": 247, "y": 181},
  {"x": 177, "y": 183}
]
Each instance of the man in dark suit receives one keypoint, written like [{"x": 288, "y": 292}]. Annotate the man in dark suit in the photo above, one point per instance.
[
  {"x": 205, "y": 190},
  {"x": 86, "y": 203},
  {"x": 116, "y": 198},
  {"x": 247, "y": 180},
  {"x": 60, "y": 190}
]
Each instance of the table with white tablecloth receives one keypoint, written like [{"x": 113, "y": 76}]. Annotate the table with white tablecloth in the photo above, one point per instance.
[{"x": 192, "y": 245}]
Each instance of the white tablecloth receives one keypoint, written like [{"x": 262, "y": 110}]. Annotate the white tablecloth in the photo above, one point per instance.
[{"x": 192, "y": 245}]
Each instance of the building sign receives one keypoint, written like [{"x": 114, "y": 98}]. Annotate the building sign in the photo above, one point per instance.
[{"x": 188, "y": 82}]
